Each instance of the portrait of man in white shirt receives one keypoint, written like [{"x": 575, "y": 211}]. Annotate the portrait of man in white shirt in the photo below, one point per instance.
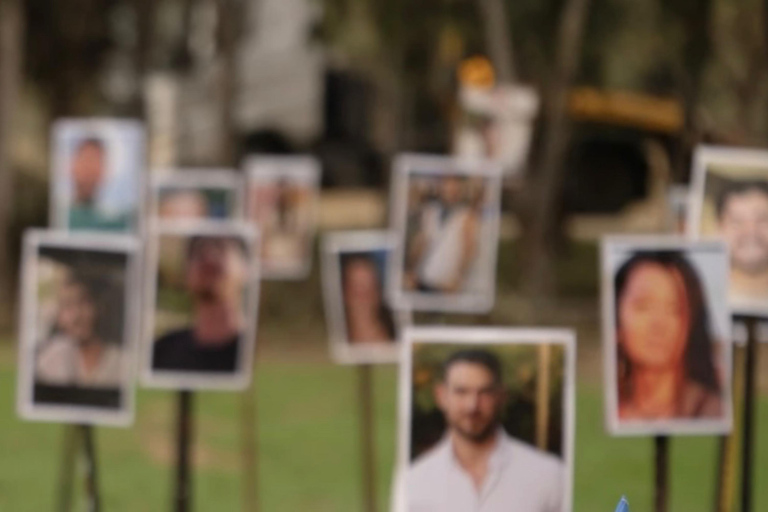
[{"x": 477, "y": 466}]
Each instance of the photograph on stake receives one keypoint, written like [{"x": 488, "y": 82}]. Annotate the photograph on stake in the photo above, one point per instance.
[
  {"x": 445, "y": 212},
  {"x": 196, "y": 194},
  {"x": 97, "y": 179},
  {"x": 729, "y": 200},
  {"x": 486, "y": 415},
  {"x": 282, "y": 200},
  {"x": 200, "y": 306},
  {"x": 363, "y": 328},
  {"x": 79, "y": 322},
  {"x": 666, "y": 336}
]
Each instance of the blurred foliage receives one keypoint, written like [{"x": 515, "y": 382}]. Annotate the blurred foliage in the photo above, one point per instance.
[{"x": 520, "y": 373}]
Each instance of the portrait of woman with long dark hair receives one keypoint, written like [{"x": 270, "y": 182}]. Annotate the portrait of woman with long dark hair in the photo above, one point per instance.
[{"x": 665, "y": 345}]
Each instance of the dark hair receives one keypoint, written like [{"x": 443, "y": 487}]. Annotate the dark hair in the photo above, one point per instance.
[
  {"x": 195, "y": 242},
  {"x": 699, "y": 366},
  {"x": 90, "y": 141},
  {"x": 732, "y": 188},
  {"x": 484, "y": 358},
  {"x": 385, "y": 313}
]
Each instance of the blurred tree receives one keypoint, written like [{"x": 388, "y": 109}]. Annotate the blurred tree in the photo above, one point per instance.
[
  {"x": 66, "y": 45},
  {"x": 11, "y": 37},
  {"x": 541, "y": 213},
  {"x": 498, "y": 38}
]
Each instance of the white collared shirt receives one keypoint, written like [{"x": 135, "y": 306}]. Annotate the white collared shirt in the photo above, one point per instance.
[{"x": 520, "y": 478}]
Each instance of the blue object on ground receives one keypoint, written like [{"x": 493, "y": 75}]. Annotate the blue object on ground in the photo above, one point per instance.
[{"x": 623, "y": 505}]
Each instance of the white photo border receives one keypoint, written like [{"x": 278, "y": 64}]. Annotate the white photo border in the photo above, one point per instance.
[
  {"x": 335, "y": 244},
  {"x": 34, "y": 241},
  {"x": 110, "y": 129},
  {"x": 197, "y": 178},
  {"x": 191, "y": 380},
  {"x": 613, "y": 425},
  {"x": 403, "y": 167},
  {"x": 505, "y": 336},
  {"x": 259, "y": 168},
  {"x": 705, "y": 156}
]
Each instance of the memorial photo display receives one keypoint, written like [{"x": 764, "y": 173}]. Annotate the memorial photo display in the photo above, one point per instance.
[
  {"x": 446, "y": 215},
  {"x": 197, "y": 194},
  {"x": 283, "y": 195},
  {"x": 363, "y": 328},
  {"x": 97, "y": 176},
  {"x": 729, "y": 200},
  {"x": 499, "y": 395},
  {"x": 79, "y": 323},
  {"x": 201, "y": 306},
  {"x": 666, "y": 335}
]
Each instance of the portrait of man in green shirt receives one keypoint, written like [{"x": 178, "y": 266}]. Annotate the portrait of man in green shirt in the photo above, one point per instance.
[{"x": 87, "y": 174}]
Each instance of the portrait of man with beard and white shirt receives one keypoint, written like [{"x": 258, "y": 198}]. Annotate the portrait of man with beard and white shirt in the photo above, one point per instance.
[{"x": 485, "y": 445}]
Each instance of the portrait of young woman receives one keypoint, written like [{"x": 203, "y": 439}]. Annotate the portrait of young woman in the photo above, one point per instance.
[{"x": 668, "y": 360}]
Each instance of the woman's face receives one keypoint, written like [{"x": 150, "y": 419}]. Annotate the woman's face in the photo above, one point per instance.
[
  {"x": 361, "y": 286},
  {"x": 77, "y": 312},
  {"x": 654, "y": 317}
]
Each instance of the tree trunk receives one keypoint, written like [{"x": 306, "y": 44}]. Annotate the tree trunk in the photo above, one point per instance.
[
  {"x": 229, "y": 28},
  {"x": 145, "y": 26},
  {"x": 543, "y": 211},
  {"x": 498, "y": 39},
  {"x": 11, "y": 27}
]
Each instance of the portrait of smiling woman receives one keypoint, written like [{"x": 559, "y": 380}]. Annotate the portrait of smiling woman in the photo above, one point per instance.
[{"x": 668, "y": 343}]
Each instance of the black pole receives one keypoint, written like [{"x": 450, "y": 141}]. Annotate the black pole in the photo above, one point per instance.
[
  {"x": 68, "y": 466},
  {"x": 747, "y": 441},
  {"x": 662, "y": 473},
  {"x": 249, "y": 426},
  {"x": 184, "y": 440},
  {"x": 368, "y": 450},
  {"x": 91, "y": 469}
]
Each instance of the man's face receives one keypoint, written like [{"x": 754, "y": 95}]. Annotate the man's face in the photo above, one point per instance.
[
  {"x": 216, "y": 270},
  {"x": 450, "y": 190},
  {"x": 471, "y": 400},
  {"x": 87, "y": 171},
  {"x": 77, "y": 312},
  {"x": 744, "y": 225}
]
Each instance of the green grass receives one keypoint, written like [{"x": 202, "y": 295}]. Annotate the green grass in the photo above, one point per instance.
[{"x": 309, "y": 450}]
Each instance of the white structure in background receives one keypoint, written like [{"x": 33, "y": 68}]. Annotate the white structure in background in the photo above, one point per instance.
[
  {"x": 280, "y": 83},
  {"x": 162, "y": 94},
  {"x": 497, "y": 124},
  {"x": 282, "y": 70}
]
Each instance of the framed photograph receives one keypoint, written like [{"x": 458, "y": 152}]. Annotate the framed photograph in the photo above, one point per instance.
[
  {"x": 445, "y": 212},
  {"x": 500, "y": 399},
  {"x": 283, "y": 196},
  {"x": 496, "y": 124},
  {"x": 666, "y": 336},
  {"x": 363, "y": 328},
  {"x": 78, "y": 328},
  {"x": 98, "y": 175},
  {"x": 201, "y": 303},
  {"x": 196, "y": 194},
  {"x": 729, "y": 200}
]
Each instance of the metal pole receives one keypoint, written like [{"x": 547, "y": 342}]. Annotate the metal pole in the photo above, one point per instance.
[
  {"x": 368, "y": 451},
  {"x": 184, "y": 440},
  {"x": 91, "y": 469},
  {"x": 249, "y": 426},
  {"x": 729, "y": 445},
  {"x": 662, "y": 473},
  {"x": 68, "y": 465},
  {"x": 747, "y": 441}
]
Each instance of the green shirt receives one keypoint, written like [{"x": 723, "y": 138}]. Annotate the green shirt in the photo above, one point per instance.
[{"x": 85, "y": 217}]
